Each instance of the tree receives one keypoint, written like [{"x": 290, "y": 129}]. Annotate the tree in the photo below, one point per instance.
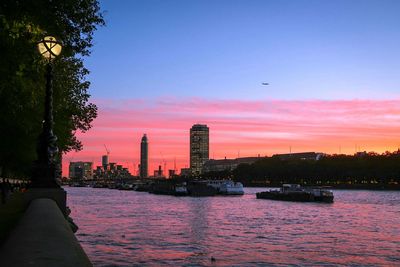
[
  {"x": 368, "y": 170},
  {"x": 22, "y": 25}
]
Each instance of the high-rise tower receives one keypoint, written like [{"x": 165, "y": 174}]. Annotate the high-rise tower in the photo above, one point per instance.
[
  {"x": 104, "y": 161},
  {"x": 144, "y": 157},
  {"x": 199, "y": 147}
]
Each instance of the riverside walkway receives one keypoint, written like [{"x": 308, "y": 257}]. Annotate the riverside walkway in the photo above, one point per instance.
[{"x": 41, "y": 234}]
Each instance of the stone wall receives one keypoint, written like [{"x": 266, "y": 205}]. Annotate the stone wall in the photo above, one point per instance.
[{"x": 43, "y": 238}]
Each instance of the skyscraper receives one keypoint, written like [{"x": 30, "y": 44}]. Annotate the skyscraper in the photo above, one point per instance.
[
  {"x": 144, "y": 157},
  {"x": 199, "y": 147},
  {"x": 104, "y": 161}
]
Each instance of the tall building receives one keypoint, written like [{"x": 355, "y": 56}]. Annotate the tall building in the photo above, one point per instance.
[
  {"x": 80, "y": 170},
  {"x": 199, "y": 147},
  {"x": 104, "y": 161},
  {"x": 144, "y": 157}
]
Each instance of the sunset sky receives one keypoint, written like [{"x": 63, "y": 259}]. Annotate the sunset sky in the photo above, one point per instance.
[{"x": 159, "y": 67}]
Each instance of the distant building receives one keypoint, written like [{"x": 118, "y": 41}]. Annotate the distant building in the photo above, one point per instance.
[
  {"x": 199, "y": 147},
  {"x": 361, "y": 154},
  {"x": 80, "y": 170},
  {"x": 112, "y": 172},
  {"x": 186, "y": 172},
  {"x": 158, "y": 173},
  {"x": 99, "y": 170},
  {"x": 217, "y": 165},
  {"x": 144, "y": 157},
  {"x": 171, "y": 173},
  {"x": 302, "y": 156},
  {"x": 104, "y": 161},
  {"x": 112, "y": 166}
]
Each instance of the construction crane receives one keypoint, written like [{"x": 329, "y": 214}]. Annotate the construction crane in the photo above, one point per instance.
[
  {"x": 165, "y": 164},
  {"x": 108, "y": 151},
  {"x": 174, "y": 164}
]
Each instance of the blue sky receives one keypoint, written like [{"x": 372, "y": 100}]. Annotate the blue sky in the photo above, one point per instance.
[
  {"x": 158, "y": 67},
  {"x": 225, "y": 49}
]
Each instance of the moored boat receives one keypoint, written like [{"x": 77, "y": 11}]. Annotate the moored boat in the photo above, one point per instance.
[
  {"x": 231, "y": 188},
  {"x": 142, "y": 187},
  {"x": 125, "y": 187},
  {"x": 294, "y": 192},
  {"x": 200, "y": 189},
  {"x": 227, "y": 187},
  {"x": 181, "y": 190}
]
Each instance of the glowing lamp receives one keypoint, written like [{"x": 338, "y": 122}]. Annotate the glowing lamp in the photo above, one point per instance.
[{"x": 49, "y": 47}]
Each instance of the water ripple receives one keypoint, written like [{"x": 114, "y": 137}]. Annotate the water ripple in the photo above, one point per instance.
[{"x": 127, "y": 228}]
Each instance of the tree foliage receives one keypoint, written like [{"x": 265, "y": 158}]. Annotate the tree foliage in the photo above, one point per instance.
[
  {"x": 22, "y": 70},
  {"x": 368, "y": 168}
]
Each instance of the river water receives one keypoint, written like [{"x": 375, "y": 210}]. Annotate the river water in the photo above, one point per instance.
[{"x": 128, "y": 228}]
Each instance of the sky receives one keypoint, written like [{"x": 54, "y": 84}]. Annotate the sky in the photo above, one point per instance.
[{"x": 158, "y": 67}]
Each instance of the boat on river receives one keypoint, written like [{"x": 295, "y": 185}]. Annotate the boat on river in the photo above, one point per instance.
[
  {"x": 128, "y": 187},
  {"x": 227, "y": 187},
  {"x": 197, "y": 188},
  {"x": 142, "y": 187},
  {"x": 294, "y": 192},
  {"x": 200, "y": 188},
  {"x": 180, "y": 190}
]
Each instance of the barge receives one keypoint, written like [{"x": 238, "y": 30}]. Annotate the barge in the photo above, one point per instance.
[{"x": 294, "y": 192}]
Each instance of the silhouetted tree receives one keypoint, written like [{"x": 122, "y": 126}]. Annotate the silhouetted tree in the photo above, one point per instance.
[
  {"x": 370, "y": 168},
  {"x": 22, "y": 25}
]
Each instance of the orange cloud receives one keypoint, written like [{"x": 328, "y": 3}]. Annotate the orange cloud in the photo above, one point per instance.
[{"x": 245, "y": 128}]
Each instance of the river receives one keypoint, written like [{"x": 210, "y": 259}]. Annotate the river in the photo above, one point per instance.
[{"x": 128, "y": 228}]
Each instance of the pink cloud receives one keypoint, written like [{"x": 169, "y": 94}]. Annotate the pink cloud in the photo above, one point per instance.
[{"x": 247, "y": 128}]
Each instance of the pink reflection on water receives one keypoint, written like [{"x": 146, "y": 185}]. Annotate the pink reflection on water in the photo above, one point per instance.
[{"x": 127, "y": 228}]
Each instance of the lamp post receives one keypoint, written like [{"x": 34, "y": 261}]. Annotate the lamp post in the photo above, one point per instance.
[{"x": 46, "y": 167}]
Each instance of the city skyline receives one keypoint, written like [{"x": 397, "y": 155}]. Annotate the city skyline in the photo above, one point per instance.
[
  {"x": 346, "y": 127},
  {"x": 332, "y": 70}
]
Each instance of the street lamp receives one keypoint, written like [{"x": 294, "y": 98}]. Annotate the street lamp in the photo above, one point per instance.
[
  {"x": 46, "y": 167},
  {"x": 49, "y": 47}
]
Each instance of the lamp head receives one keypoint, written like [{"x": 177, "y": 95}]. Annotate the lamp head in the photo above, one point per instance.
[{"x": 49, "y": 47}]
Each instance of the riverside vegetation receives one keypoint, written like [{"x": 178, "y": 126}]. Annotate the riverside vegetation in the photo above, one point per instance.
[
  {"x": 22, "y": 82},
  {"x": 363, "y": 170}
]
